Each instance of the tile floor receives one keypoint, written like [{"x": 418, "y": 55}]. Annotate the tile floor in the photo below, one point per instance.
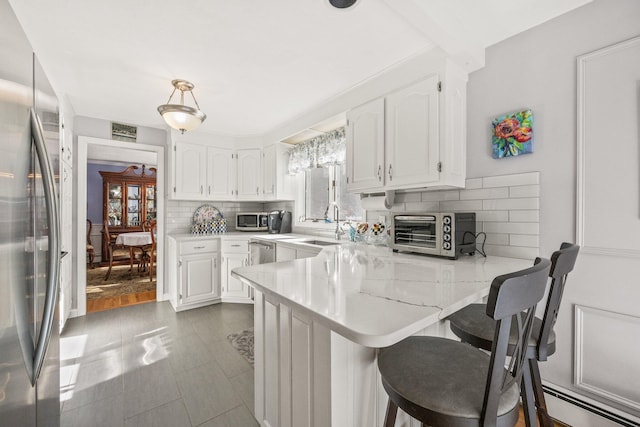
[{"x": 146, "y": 365}]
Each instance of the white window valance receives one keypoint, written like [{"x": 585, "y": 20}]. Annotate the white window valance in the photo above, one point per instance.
[{"x": 321, "y": 151}]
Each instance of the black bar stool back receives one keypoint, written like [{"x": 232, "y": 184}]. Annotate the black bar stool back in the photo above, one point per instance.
[
  {"x": 472, "y": 326},
  {"x": 443, "y": 382}
]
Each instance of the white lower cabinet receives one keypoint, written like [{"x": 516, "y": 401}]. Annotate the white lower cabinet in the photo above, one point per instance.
[
  {"x": 235, "y": 253},
  {"x": 194, "y": 272}
]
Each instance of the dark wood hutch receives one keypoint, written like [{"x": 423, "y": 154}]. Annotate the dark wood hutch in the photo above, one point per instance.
[{"x": 129, "y": 199}]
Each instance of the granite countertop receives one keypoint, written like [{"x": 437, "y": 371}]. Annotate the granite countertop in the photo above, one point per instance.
[{"x": 375, "y": 297}]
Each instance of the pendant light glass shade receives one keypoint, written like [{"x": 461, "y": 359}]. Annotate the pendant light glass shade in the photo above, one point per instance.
[{"x": 180, "y": 116}]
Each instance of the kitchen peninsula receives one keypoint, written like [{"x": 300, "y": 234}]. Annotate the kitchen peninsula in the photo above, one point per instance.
[{"x": 318, "y": 322}]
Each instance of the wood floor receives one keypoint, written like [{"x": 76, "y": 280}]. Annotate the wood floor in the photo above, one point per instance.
[
  {"x": 522, "y": 424},
  {"x": 120, "y": 301}
]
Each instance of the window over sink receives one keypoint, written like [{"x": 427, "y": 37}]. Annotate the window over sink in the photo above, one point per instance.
[{"x": 321, "y": 159}]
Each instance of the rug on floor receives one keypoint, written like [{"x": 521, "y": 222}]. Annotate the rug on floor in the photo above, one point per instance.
[
  {"x": 243, "y": 342},
  {"x": 121, "y": 282}
]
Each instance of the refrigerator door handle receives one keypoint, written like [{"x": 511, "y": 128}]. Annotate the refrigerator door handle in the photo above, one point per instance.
[{"x": 48, "y": 182}]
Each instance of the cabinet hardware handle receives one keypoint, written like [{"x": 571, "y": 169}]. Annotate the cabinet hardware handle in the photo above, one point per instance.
[
  {"x": 390, "y": 174},
  {"x": 235, "y": 246},
  {"x": 257, "y": 190},
  {"x": 201, "y": 189},
  {"x": 272, "y": 188},
  {"x": 215, "y": 263},
  {"x": 209, "y": 189},
  {"x": 379, "y": 173},
  {"x": 198, "y": 247}
]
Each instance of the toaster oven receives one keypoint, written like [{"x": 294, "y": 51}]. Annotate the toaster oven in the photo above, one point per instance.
[{"x": 439, "y": 234}]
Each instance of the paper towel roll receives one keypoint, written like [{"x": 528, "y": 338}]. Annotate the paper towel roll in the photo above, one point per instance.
[{"x": 378, "y": 202}]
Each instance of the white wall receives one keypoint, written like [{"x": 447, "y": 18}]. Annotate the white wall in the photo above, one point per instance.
[{"x": 537, "y": 69}]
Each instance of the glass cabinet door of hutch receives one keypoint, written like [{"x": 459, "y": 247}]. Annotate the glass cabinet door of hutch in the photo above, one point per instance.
[{"x": 129, "y": 198}]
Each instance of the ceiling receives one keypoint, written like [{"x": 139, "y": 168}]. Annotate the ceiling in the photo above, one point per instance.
[{"x": 256, "y": 64}]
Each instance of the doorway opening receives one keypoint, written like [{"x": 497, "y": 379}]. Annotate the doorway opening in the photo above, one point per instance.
[{"x": 136, "y": 274}]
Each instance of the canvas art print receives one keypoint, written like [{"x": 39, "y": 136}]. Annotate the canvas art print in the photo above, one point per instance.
[{"x": 513, "y": 134}]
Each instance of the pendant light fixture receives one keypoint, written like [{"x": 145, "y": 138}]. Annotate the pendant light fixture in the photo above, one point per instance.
[{"x": 180, "y": 116}]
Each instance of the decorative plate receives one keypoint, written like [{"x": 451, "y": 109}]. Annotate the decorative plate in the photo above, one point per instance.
[{"x": 205, "y": 214}]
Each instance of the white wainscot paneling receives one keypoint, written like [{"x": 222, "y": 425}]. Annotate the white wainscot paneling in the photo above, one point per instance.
[{"x": 600, "y": 335}]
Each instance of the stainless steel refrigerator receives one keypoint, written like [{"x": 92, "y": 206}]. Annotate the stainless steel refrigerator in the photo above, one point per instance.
[{"x": 29, "y": 234}]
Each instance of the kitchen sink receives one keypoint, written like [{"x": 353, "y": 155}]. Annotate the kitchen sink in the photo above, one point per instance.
[{"x": 319, "y": 242}]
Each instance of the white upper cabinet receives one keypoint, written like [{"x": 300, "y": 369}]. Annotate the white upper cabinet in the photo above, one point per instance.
[
  {"x": 414, "y": 137},
  {"x": 276, "y": 183},
  {"x": 220, "y": 173},
  {"x": 190, "y": 171},
  {"x": 249, "y": 174},
  {"x": 365, "y": 146},
  {"x": 269, "y": 171},
  {"x": 412, "y": 146}
]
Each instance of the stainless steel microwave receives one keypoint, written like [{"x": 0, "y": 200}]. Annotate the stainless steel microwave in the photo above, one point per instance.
[
  {"x": 439, "y": 234},
  {"x": 251, "y": 221}
]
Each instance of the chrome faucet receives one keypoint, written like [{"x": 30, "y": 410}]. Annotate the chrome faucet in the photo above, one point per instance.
[{"x": 339, "y": 231}]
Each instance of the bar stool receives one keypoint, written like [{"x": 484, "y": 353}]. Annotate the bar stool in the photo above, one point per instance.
[
  {"x": 473, "y": 327},
  {"x": 443, "y": 382}
]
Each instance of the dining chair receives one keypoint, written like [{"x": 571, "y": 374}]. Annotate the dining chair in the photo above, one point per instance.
[
  {"x": 90, "y": 249},
  {"x": 473, "y": 327},
  {"x": 441, "y": 382},
  {"x": 116, "y": 252},
  {"x": 153, "y": 229}
]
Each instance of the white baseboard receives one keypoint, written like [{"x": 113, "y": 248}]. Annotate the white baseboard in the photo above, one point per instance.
[{"x": 578, "y": 410}]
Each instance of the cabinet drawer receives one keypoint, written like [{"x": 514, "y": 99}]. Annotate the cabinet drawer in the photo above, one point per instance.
[
  {"x": 199, "y": 246},
  {"x": 235, "y": 246}
]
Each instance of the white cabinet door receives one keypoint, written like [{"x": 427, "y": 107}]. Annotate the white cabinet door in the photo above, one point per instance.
[
  {"x": 234, "y": 288},
  {"x": 411, "y": 138},
  {"x": 269, "y": 172},
  {"x": 199, "y": 277},
  {"x": 220, "y": 181},
  {"x": 249, "y": 174},
  {"x": 365, "y": 147},
  {"x": 190, "y": 171}
]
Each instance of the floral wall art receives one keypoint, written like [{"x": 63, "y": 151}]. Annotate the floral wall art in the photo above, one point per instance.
[{"x": 513, "y": 134}]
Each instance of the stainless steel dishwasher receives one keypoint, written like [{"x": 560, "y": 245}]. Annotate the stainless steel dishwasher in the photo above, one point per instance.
[{"x": 262, "y": 252}]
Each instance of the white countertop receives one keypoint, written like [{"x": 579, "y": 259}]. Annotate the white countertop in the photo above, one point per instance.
[
  {"x": 236, "y": 234},
  {"x": 375, "y": 297}
]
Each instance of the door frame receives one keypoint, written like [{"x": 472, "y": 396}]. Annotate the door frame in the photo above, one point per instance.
[{"x": 80, "y": 303}]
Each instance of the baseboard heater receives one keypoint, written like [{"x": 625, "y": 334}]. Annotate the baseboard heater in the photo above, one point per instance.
[{"x": 590, "y": 407}]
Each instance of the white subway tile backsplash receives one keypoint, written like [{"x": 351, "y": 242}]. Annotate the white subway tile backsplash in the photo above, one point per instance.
[
  {"x": 506, "y": 207},
  {"x": 524, "y": 240},
  {"x": 524, "y": 216},
  {"x": 496, "y": 239},
  {"x": 432, "y": 196},
  {"x": 529, "y": 178},
  {"x": 461, "y": 205},
  {"x": 512, "y": 251},
  {"x": 524, "y": 191},
  {"x": 511, "y": 227},
  {"x": 511, "y": 204},
  {"x": 492, "y": 216},
  {"x": 422, "y": 206},
  {"x": 473, "y": 183},
  {"x": 485, "y": 193}
]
